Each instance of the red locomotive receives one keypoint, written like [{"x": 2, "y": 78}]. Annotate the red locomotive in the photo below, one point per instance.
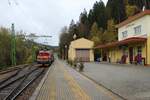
[{"x": 45, "y": 57}]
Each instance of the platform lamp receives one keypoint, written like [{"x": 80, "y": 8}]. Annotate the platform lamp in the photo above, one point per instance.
[{"x": 74, "y": 36}]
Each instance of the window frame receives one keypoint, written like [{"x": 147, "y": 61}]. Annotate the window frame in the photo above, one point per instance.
[
  {"x": 138, "y": 29},
  {"x": 125, "y": 34}
]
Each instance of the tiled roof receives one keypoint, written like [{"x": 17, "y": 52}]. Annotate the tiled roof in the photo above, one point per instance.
[
  {"x": 132, "y": 18},
  {"x": 123, "y": 42}
]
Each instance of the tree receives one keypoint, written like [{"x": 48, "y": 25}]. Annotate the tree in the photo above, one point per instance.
[
  {"x": 84, "y": 24},
  {"x": 63, "y": 40},
  {"x": 96, "y": 34},
  {"x": 99, "y": 14},
  {"x": 91, "y": 18},
  {"x": 140, "y": 4},
  {"x": 5, "y": 47},
  {"x": 131, "y": 10},
  {"x": 147, "y": 4},
  {"x": 116, "y": 10},
  {"x": 110, "y": 34},
  {"x": 23, "y": 48}
]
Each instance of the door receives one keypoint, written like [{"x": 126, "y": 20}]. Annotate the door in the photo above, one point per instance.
[
  {"x": 83, "y": 54},
  {"x": 131, "y": 54}
]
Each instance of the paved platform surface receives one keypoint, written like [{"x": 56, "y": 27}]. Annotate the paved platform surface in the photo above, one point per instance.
[
  {"x": 131, "y": 82},
  {"x": 64, "y": 83}
]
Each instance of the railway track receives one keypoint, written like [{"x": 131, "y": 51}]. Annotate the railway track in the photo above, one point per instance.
[
  {"x": 15, "y": 71},
  {"x": 11, "y": 69},
  {"x": 13, "y": 86}
]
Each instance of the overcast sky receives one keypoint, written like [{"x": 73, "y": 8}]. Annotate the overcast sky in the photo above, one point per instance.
[{"x": 45, "y": 17}]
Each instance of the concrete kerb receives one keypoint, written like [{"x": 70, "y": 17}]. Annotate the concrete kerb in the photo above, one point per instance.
[{"x": 37, "y": 90}]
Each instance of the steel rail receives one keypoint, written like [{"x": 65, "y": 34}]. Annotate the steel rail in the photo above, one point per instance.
[
  {"x": 10, "y": 69},
  {"x": 29, "y": 83},
  {"x": 13, "y": 75},
  {"x": 13, "y": 92},
  {"x": 16, "y": 79},
  {"x": 8, "y": 78}
]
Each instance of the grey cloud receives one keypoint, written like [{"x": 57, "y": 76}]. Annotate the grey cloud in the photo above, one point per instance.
[{"x": 42, "y": 16}]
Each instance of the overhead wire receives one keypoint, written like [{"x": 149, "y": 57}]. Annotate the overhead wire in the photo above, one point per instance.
[{"x": 10, "y": 2}]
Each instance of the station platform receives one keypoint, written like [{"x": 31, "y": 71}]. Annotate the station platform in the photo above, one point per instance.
[{"x": 62, "y": 82}]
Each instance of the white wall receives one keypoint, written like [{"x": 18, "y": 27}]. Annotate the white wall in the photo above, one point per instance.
[{"x": 145, "y": 28}]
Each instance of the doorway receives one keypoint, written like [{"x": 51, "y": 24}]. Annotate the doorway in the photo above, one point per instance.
[
  {"x": 131, "y": 55},
  {"x": 83, "y": 55}
]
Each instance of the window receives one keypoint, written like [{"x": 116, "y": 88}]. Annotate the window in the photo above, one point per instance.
[
  {"x": 137, "y": 30},
  {"x": 139, "y": 49},
  {"x": 124, "y": 34}
]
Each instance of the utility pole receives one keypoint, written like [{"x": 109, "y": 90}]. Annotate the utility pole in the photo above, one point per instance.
[{"x": 13, "y": 46}]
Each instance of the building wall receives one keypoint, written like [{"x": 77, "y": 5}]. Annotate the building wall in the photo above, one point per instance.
[
  {"x": 116, "y": 53},
  {"x": 71, "y": 53},
  {"x": 91, "y": 55},
  {"x": 145, "y": 30},
  {"x": 144, "y": 51},
  {"x": 80, "y": 44},
  {"x": 148, "y": 50}
]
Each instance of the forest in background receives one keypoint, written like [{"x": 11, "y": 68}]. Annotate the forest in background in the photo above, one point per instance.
[
  {"x": 99, "y": 23},
  {"x": 23, "y": 48}
]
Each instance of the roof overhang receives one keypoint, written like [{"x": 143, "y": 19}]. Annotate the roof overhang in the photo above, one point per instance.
[{"x": 122, "y": 42}]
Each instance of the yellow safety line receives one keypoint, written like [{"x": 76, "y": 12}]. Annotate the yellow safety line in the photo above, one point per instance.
[
  {"x": 52, "y": 87},
  {"x": 102, "y": 89},
  {"x": 53, "y": 91},
  {"x": 77, "y": 90}
]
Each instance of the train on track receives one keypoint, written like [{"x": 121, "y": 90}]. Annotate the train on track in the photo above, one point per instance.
[{"x": 45, "y": 57}]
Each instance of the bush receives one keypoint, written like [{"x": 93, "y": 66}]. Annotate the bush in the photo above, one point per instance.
[
  {"x": 29, "y": 60},
  {"x": 75, "y": 63},
  {"x": 81, "y": 66},
  {"x": 70, "y": 62}
]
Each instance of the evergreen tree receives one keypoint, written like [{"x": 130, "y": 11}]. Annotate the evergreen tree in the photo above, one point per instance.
[
  {"x": 91, "y": 18},
  {"x": 96, "y": 33},
  {"x": 116, "y": 10},
  {"x": 99, "y": 14},
  {"x": 84, "y": 24},
  {"x": 140, "y": 4},
  {"x": 147, "y": 4}
]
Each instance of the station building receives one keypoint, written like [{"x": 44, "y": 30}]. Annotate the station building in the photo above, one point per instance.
[
  {"x": 81, "y": 49},
  {"x": 133, "y": 43}
]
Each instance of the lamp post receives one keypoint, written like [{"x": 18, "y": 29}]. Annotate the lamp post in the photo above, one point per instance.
[{"x": 74, "y": 36}]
